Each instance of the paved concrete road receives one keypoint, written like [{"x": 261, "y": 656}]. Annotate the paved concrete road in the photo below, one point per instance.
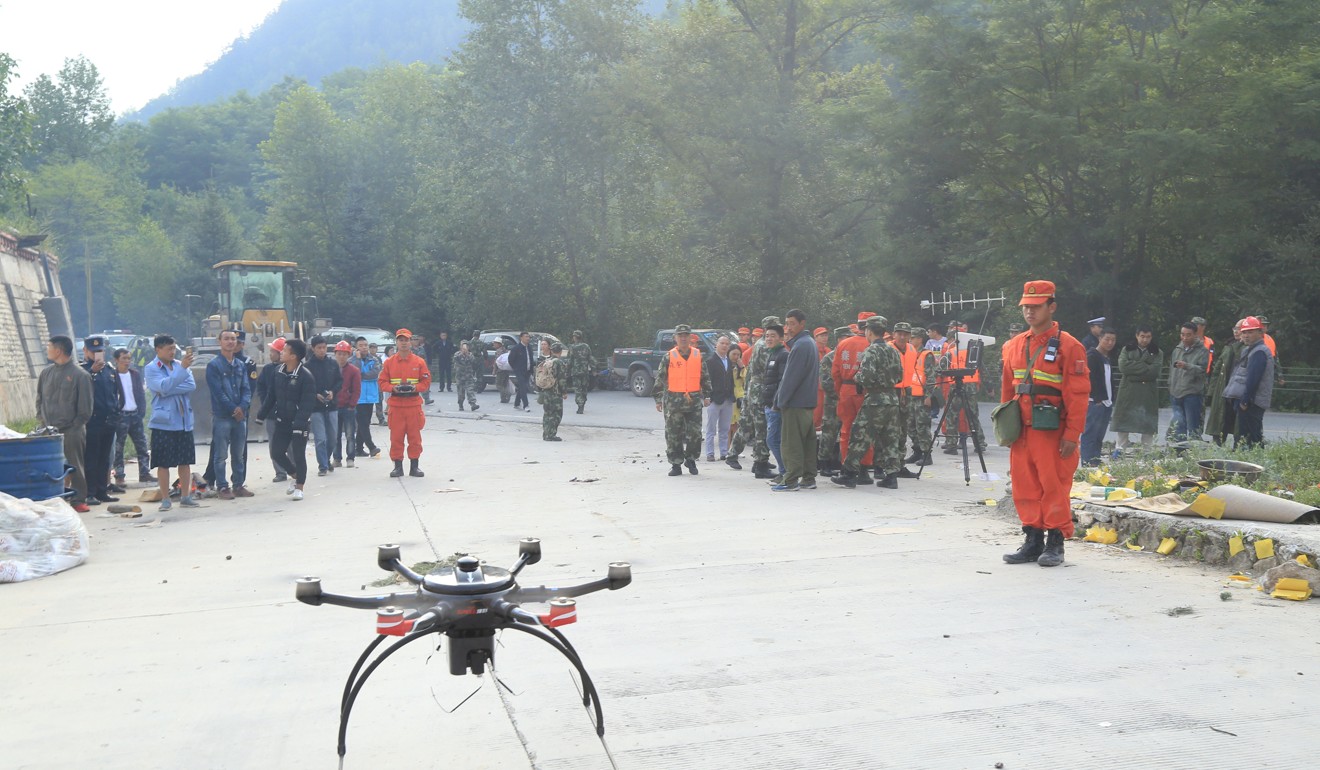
[{"x": 825, "y": 629}]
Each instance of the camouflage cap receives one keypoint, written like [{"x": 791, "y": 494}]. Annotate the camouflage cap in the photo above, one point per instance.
[
  {"x": 577, "y": 333},
  {"x": 1199, "y": 321},
  {"x": 682, "y": 329},
  {"x": 557, "y": 347},
  {"x": 918, "y": 330},
  {"x": 903, "y": 326},
  {"x": 842, "y": 331},
  {"x": 770, "y": 320},
  {"x": 877, "y": 324},
  {"x": 1015, "y": 328}
]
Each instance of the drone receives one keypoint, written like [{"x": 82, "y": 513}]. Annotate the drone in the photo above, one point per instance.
[{"x": 468, "y": 603}]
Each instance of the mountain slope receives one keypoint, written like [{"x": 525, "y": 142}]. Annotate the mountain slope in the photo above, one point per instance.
[{"x": 310, "y": 39}]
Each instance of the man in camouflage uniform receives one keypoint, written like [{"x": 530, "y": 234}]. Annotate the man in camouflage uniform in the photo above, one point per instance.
[
  {"x": 827, "y": 448},
  {"x": 751, "y": 425},
  {"x": 465, "y": 376},
  {"x": 878, "y": 423},
  {"x": 919, "y": 415},
  {"x": 579, "y": 368},
  {"x": 682, "y": 410},
  {"x": 552, "y": 397}
]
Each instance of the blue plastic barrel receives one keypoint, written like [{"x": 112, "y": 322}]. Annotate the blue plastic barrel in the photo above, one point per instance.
[{"x": 32, "y": 467}]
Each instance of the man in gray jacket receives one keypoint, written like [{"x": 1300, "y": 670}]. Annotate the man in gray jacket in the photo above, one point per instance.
[
  {"x": 1187, "y": 367},
  {"x": 64, "y": 400},
  {"x": 795, "y": 400}
]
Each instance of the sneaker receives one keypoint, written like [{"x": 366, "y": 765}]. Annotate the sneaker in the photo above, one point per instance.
[
  {"x": 82, "y": 507},
  {"x": 808, "y": 484},
  {"x": 105, "y": 498},
  {"x": 225, "y": 494},
  {"x": 165, "y": 505},
  {"x": 321, "y": 472},
  {"x": 375, "y": 453},
  {"x": 187, "y": 502},
  {"x": 350, "y": 464},
  {"x": 297, "y": 494},
  {"x": 92, "y": 501},
  {"x": 242, "y": 491},
  {"x": 293, "y": 485},
  {"x": 337, "y": 464},
  {"x": 117, "y": 489},
  {"x": 784, "y": 488},
  {"x": 711, "y": 458},
  {"x": 280, "y": 477}
]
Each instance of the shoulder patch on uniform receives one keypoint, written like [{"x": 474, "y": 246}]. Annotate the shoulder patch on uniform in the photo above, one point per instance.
[{"x": 1079, "y": 366}]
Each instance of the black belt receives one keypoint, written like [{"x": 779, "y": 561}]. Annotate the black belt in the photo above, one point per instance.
[{"x": 1037, "y": 390}]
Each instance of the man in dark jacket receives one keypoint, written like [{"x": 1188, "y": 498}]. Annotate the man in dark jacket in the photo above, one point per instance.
[
  {"x": 325, "y": 419},
  {"x": 1103, "y": 392},
  {"x": 231, "y": 397},
  {"x": 107, "y": 403},
  {"x": 776, "y": 358},
  {"x": 265, "y": 389},
  {"x": 131, "y": 420},
  {"x": 795, "y": 400},
  {"x": 520, "y": 358},
  {"x": 444, "y": 362},
  {"x": 720, "y": 412},
  {"x": 1251, "y": 384}
]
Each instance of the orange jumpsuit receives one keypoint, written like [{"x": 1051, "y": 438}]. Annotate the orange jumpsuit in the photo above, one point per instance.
[
  {"x": 819, "y": 414},
  {"x": 406, "y": 418},
  {"x": 1042, "y": 480},
  {"x": 847, "y": 360}
]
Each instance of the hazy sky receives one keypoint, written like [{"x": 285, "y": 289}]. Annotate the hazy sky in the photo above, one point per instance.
[{"x": 141, "y": 47}]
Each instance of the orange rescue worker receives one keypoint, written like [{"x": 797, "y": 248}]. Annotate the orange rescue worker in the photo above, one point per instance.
[
  {"x": 1045, "y": 371},
  {"x": 847, "y": 360},
  {"x": 744, "y": 340},
  {"x": 405, "y": 377},
  {"x": 822, "y": 337}
]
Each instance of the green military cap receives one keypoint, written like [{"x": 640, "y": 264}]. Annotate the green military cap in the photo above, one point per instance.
[
  {"x": 918, "y": 330},
  {"x": 903, "y": 326},
  {"x": 1015, "y": 328},
  {"x": 557, "y": 347},
  {"x": 1198, "y": 320},
  {"x": 877, "y": 323},
  {"x": 577, "y": 333},
  {"x": 842, "y": 331},
  {"x": 770, "y": 320},
  {"x": 1261, "y": 317},
  {"x": 682, "y": 329}
]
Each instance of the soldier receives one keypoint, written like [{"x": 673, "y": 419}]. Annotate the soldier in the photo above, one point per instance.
[
  {"x": 465, "y": 375},
  {"x": 877, "y": 425},
  {"x": 906, "y": 407},
  {"x": 751, "y": 425},
  {"x": 924, "y": 394},
  {"x": 579, "y": 369},
  {"x": 552, "y": 376},
  {"x": 682, "y": 390},
  {"x": 827, "y": 449}
]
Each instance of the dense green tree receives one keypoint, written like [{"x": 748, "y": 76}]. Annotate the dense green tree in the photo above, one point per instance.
[
  {"x": 15, "y": 133},
  {"x": 71, "y": 117}
]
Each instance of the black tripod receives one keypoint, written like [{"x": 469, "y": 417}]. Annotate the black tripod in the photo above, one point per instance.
[{"x": 960, "y": 404}]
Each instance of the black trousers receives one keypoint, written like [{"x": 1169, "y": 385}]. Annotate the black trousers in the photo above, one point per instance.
[
  {"x": 1250, "y": 423},
  {"x": 522, "y": 382},
  {"x": 444, "y": 376},
  {"x": 97, "y": 457},
  {"x": 364, "y": 412},
  {"x": 289, "y": 452}
]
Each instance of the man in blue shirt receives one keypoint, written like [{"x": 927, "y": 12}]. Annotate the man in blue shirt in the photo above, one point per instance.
[{"x": 231, "y": 395}]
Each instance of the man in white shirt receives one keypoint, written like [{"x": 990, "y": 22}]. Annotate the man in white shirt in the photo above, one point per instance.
[
  {"x": 130, "y": 423},
  {"x": 1103, "y": 391}
]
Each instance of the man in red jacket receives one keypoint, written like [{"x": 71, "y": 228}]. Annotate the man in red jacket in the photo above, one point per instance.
[
  {"x": 405, "y": 377},
  {"x": 1045, "y": 371},
  {"x": 350, "y": 390}
]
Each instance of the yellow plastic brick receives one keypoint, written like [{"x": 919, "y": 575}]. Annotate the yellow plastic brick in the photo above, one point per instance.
[
  {"x": 1166, "y": 546},
  {"x": 1235, "y": 546},
  {"x": 1304, "y": 560},
  {"x": 1101, "y": 535},
  {"x": 1264, "y": 548},
  {"x": 1208, "y": 507},
  {"x": 1133, "y": 547},
  {"x": 1294, "y": 589}
]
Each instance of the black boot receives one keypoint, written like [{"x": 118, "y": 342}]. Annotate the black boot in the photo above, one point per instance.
[
  {"x": 916, "y": 455},
  {"x": 413, "y": 470},
  {"x": 826, "y": 468},
  {"x": 460, "y": 406},
  {"x": 732, "y": 462},
  {"x": 675, "y": 470},
  {"x": 950, "y": 450},
  {"x": 926, "y": 459},
  {"x": 475, "y": 406},
  {"x": 691, "y": 466},
  {"x": 1031, "y": 547},
  {"x": 846, "y": 479},
  {"x": 761, "y": 469},
  {"x": 580, "y": 409},
  {"x": 863, "y": 477},
  {"x": 888, "y": 480},
  {"x": 1053, "y": 554},
  {"x": 398, "y": 469},
  {"x": 904, "y": 473}
]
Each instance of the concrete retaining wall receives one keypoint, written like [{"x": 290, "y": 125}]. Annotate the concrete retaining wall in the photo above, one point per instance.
[{"x": 24, "y": 328}]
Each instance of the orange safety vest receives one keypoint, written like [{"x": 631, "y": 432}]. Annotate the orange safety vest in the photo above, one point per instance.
[
  {"x": 1210, "y": 346},
  {"x": 684, "y": 373},
  {"x": 1269, "y": 343},
  {"x": 909, "y": 358},
  {"x": 919, "y": 374}
]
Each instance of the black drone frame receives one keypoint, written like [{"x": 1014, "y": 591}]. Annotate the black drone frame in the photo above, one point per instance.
[{"x": 468, "y": 603}]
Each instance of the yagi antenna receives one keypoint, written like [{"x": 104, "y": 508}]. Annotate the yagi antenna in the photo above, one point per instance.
[{"x": 947, "y": 302}]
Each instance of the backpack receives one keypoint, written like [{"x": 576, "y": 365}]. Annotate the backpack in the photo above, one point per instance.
[{"x": 545, "y": 374}]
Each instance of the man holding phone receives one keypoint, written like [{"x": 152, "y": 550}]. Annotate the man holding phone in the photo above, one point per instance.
[{"x": 325, "y": 419}]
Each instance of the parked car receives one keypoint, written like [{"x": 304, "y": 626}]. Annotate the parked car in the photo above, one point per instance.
[
  {"x": 378, "y": 337},
  {"x": 510, "y": 338},
  {"x": 638, "y": 365}
]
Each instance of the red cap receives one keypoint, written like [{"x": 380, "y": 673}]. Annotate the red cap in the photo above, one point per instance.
[
  {"x": 865, "y": 314},
  {"x": 1250, "y": 323},
  {"x": 855, "y": 329},
  {"x": 403, "y": 333},
  {"x": 744, "y": 330},
  {"x": 758, "y": 332},
  {"x": 277, "y": 345},
  {"x": 819, "y": 331},
  {"x": 1037, "y": 292},
  {"x": 344, "y": 346}
]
